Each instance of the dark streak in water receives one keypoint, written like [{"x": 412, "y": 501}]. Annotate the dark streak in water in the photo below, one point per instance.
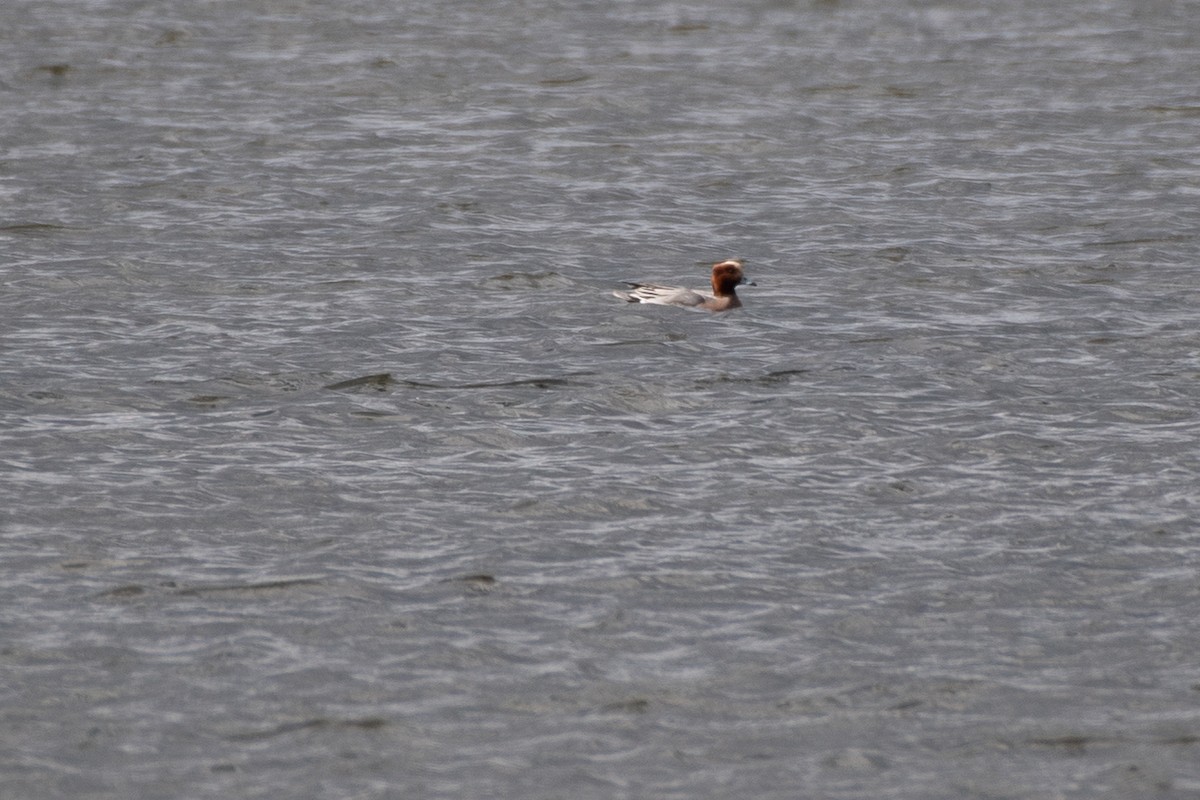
[
  {"x": 131, "y": 590},
  {"x": 564, "y": 81},
  {"x": 249, "y": 587},
  {"x": 318, "y": 723},
  {"x": 1072, "y": 744},
  {"x": 378, "y": 382},
  {"x": 32, "y": 227},
  {"x": 381, "y": 381},
  {"x": 207, "y": 399},
  {"x": 56, "y": 70},
  {"x": 539, "y": 383},
  {"x": 481, "y": 583},
  {"x": 481, "y": 578},
  {"x": 636, "y": 705},
  {"x": 1147, "y": 240},
  {"x": 1183, "y": 111}
]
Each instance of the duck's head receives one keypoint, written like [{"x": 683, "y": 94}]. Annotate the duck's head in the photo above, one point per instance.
[{"x": 727, "y": 276}]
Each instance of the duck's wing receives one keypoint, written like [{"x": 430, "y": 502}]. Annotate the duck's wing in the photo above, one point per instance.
[{"x": 662, "y": 295}]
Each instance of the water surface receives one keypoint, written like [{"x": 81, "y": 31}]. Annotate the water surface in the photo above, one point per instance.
[{"x": 333, "y": 468}]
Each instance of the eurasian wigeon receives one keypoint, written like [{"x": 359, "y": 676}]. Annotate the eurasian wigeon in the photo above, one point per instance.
[{"x": 726, "y": 275}]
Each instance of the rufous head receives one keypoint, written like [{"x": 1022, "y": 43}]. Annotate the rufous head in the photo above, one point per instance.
[{"x": 726, "y": 276}]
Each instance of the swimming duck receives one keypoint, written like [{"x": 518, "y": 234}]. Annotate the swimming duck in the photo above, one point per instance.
[{"x": 726, "y": 276}]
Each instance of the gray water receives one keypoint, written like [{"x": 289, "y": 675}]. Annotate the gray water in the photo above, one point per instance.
[{"x": 331, "y": 467}]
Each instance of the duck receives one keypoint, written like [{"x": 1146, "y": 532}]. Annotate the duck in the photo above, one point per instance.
[{"x": 727, "y": 275}]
